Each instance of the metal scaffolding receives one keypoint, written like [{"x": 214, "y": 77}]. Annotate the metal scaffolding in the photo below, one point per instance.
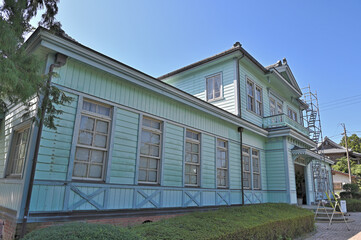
[{"x": 312, "y": 121}]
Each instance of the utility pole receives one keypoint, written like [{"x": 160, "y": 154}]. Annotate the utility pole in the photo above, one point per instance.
[{"x": 348, "y": 158}]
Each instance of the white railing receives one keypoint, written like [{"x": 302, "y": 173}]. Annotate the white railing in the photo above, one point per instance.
[{"x": 282, "y": 120}]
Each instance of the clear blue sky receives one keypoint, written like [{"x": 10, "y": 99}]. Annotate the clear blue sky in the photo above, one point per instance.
[{"x": 320, "y": 39}]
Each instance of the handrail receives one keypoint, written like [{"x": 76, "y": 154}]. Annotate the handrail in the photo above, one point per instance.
[{"x": 281, "y": 120}]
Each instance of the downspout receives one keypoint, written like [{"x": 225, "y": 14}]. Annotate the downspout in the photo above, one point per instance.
[
  {"x": 60, "y": 61},
  {"x": 238, "y": 85},
  {"x": 240, "y": 130}
]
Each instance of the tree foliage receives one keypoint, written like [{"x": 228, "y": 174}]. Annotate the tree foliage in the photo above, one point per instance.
[
  {"x": 341, "y": 166},
  {"x": 353, "y": 142},
  {"x": 20, "y": 76}
]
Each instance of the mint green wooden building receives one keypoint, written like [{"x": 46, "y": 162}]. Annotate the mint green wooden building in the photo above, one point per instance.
[{"x": 131, "y": 144}]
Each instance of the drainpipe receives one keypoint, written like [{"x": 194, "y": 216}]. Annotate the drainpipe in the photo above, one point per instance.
[
  {"x": 240, "y": 130},
  {"x": 238, "y": 85},
  {"x": 60, "y": 61}
]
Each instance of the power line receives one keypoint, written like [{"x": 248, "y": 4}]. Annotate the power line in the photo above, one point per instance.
[
  {"x": 333, "y": 107},
  {"x": 339, "y": 99}
]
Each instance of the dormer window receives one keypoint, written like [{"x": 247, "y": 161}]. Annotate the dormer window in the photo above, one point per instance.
[{"x": 214, "y": 87}]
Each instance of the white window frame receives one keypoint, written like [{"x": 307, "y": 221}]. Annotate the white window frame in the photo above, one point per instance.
[
  {"x": 225, "y": 149},
  {"x": 159, "y": 158},
  {"x": 12, "y": 162},
  {"x": 254, "y": 172},
  {"x": 213, "y": 88},
  {"x": 278, "y": 106},
  {"x": 197, "y": 165},
  {"x": 97, "y": 117},
  {"x": 292, "y": 114},
  {"x": 251, "y": 171},
  {"x": 254, "y": 105}
]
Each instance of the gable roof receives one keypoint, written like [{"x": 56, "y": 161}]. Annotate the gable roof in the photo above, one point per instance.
[{"x": 237, "y": 47}]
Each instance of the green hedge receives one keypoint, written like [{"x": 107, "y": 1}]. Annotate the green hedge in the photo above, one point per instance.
[
  {"x": 264, "y": 221},
  {"x": 353, "y": 205},
  {"x": 82, "y": 231}
]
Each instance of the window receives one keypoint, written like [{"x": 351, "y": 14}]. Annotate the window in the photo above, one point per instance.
[
  {"x": 259, "y": 100},
  {"x": 192, "y": 159},
  {"x": 214, "y": 87},
  {"x": 222, "y": 164},
  {"x": 18, "y": 151},
  {"x": 250, "y": 94},
  {"x": 251, "y": 158},
  {"x": 256, "y": 170},
  {"x": 246, "y": 168},
  {"x": 254, "y": 98},
  {"x": 276, "y": 106},
  {"x": 93, "y": 140},
  {"x": 150, "y": 151},
  {"x": 292, "y": 114}
]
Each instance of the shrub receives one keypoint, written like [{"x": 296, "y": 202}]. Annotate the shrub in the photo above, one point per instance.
[
  {"x": 264, "y": 221},
  {"x": 80, "y": 231},
  {"x": 353, "y": 205},
  {"x": 350, "y": 187},
  {"x": 345, "y": 195}
]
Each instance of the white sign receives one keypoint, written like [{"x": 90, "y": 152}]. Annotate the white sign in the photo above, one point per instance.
[{"x": 343, "y": 206}]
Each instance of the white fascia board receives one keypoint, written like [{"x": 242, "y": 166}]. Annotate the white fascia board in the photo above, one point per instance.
[
  {"x": 298, "y": 93},
  {"x": 91, "y": 58},
  {"x": 288, "y": 132}
]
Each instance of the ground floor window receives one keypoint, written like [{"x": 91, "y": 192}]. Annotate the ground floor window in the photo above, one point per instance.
[{"x": 251, "y": 168}]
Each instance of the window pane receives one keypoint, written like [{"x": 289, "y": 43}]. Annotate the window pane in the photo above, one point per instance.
[
  {"x": 188, "y": 168},
  {"x": 258, "y": 94},
  {"x": 142, "y": 176},
  {"x": 97, "y": 156},
  {"x": 87, "y": 123},
  {"x": 102, "y": 127},
  {"x": 80, "y": 169},
  {"x": 85, "y": 138},
  {"x": 194, "y": 169},
  {"x": 155, "y": 138},
  {"x": 154, "y": 151},
  {"x": 210, "y": 87},
  {"x": 103, "y": 110},
  {"x": 188, "y": 147},
  {"x": 153, "y": 163},
  {"x": 195, "y": 148},
  {"x": 155, "y": 124},
  {"x": 152, "y": 176},
  {"x": 146, "y": 136},
  {"x": 143, "y": 162},
  {"x": 100, "y": 141},
  {"x": 91, "y": 107},
  {"x": 189, "y": 134},
  {"x": 95, "y": 171},
  {"x": 144, "y": 149},
  {"x": 249, "y": 88},
  {"x": 195, "y": 158},
  {"x": 147, "y": 122},
  {"x": 193, "y": 180},
  {"x": 188, "y": 157},
  {"x": 82, "y": 154}
]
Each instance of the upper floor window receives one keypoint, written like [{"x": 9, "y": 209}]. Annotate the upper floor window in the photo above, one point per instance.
[
  {"x": 214, "y": 87},
  {"x": 18, "y": 152},
  {"x": 150, "y": 151},
  {"x": 192, "y": 158},
  {"x": 93, "y": 140},
  {"x": 222, "y": 163},
  {"x": 254, "y": 98},
  {"x": 276, "y": 106},
  {"x": 292, "y": 114}
]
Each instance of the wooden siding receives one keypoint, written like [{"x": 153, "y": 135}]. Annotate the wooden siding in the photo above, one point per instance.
[
  {"x": 208, "y": 161},
  {"x": 11, "y": 189},
  {"x": 125, "y": 147},
  {"x": 173, "y": 156},
  {"x": 83, "y": 78},
  {"x": 194, "y": 83},
  {"x": 275, "y": 165},
  {"x": 55, "y": 145},
  {"x": 235, "y": 173}
]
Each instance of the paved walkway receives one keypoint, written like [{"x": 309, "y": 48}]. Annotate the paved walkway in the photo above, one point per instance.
[{"x": 338, "y": 231}]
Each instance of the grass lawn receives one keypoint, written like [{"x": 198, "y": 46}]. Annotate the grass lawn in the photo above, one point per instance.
[{"x": 263, "y": 221}]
